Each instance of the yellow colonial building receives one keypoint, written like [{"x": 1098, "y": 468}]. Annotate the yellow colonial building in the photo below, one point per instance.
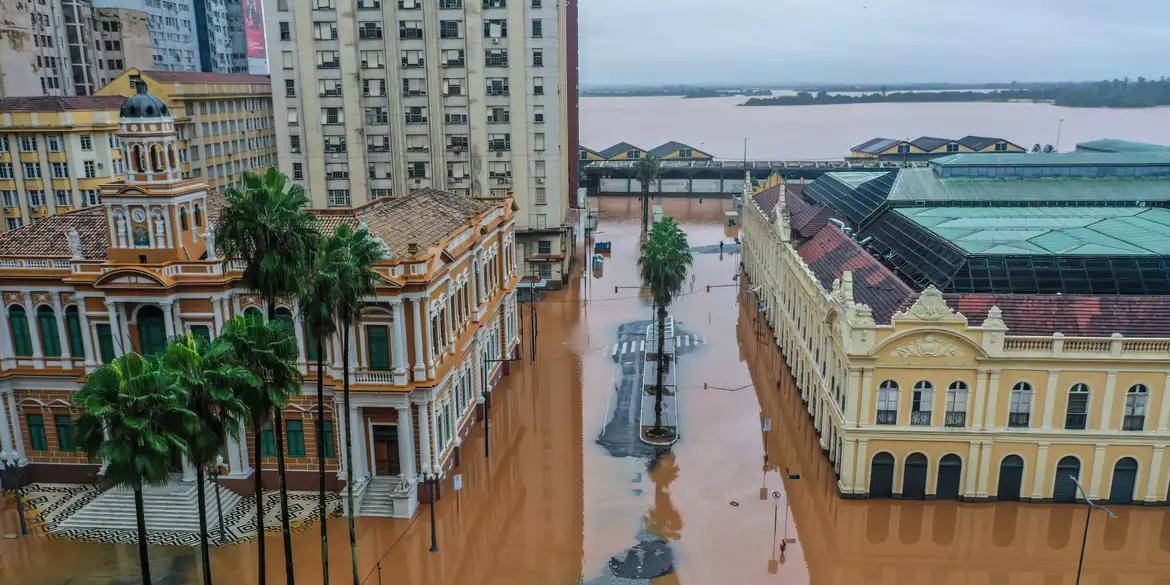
[
  {"x": 224, "y": 120},
  {"x": 926, "y": 147},
  {"x": 82, "y": 287},
  {"x": 960, "y": 346}
]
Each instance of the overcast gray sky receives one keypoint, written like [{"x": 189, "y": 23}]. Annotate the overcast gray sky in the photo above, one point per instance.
[{"x": 871, "y": 41}]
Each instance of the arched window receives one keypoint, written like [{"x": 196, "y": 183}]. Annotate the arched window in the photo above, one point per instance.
[
  {"x": 956, "y": 405},
  {"x": 1124, "y": 481},
  {"x": 1064, "y": 487},
  {"x": 198, "y": 213},
  {"x": 183, "y": 218},
  {"x": 253, "y": 313},
  {"x": 18, "y": 322},
  {"x": 152, "y": 333},
  {"x": 1076, "y": 416},
  {"x": 1135, "y": 408},
  {"x": 1011, "y": 477},
  {"x": 137, "y": 160},
  {"x": 914, "y": 477},
  {"x": 1020, "y": 408},
  {"x": 47, "y": 324},
  {"x": 73, "y": 327},
  {"x": 887, "y": 403},
  {"x": 881, "y": 476},
  {"x": 921, "y": 403},
  {"x": 285, "y": 319}
]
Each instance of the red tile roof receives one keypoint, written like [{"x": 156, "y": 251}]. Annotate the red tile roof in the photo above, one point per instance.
[
  {"x": 203, "y": 77},
  {"x": 830, "y": 252},
  {"x": 806, "y": 218},
  {"x": 1074, "y": 315},
  {"x": 766, "y": 200},
  {"x": 61, "y": 104},
  {"x": 47, "y": 237}
]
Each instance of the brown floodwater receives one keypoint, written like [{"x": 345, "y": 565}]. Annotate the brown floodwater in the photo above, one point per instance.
[{"x": 551, "y": 506}]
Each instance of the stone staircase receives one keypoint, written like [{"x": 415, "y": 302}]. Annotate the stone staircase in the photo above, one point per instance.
[
  {"x": 171, "y": 508},
  {"x": 378, "y": 498}
]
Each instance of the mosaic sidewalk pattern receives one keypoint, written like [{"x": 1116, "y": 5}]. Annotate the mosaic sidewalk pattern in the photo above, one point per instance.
[{"x": 51, "y": 504}]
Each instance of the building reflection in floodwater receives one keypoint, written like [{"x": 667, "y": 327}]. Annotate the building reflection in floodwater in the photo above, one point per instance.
[{"x": 551, "y": 507}]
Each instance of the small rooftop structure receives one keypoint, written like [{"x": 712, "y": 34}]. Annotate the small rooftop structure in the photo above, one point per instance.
[{"x": 1115, "y": 145}]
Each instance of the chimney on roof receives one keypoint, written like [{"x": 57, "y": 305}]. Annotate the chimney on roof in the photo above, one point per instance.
[{"x": 412, "y": 248}]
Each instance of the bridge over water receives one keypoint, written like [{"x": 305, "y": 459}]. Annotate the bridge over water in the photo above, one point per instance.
[{"x": 716, "y": 177}]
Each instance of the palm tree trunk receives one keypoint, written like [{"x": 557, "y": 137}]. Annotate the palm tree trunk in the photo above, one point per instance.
[
  {"x": 645, "y": 206},
  {"x": 204, "y": 546},
  {"x": 321, "y": 461},
  {"x": 143, "y": 553},
  {"x": 285, "y": 525},
  {"x": 348, "y": 449},
  {"x": 262, "y": 569},
  {"x": 661, "y": 361}
]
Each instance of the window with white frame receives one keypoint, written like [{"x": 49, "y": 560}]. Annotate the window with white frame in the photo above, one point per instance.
[
  {"x": 1076, "y": 416},
  {"x": 1135, "y": 408},
  {"x": 887, "y": 403},
  {"x": 1020, "y": 406},
  {"x": 956, "y": 415}
]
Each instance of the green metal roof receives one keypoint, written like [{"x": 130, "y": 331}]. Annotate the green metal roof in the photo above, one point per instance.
[
  {"x": 1015, "y": 159},
  {"x": 1115, "y": 145},
  {"x": 924, "y": 185},
  {"x": 1066, "y": 231}
]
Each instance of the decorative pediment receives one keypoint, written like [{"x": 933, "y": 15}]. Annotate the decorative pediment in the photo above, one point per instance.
[
  {"x": 929, "y": 346},
  {"x": 930, "y": 306},
  {"x": 131, "y": 277}
]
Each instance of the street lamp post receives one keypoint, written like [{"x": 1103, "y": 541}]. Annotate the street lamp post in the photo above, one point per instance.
[
  {"x": 1088, "y": 515},
  {"x": 487, "y": 402},
  {"x": 218, "y": 469},
  {"x": 433, "y": 489},
  {"x": 11, "y": 465}
]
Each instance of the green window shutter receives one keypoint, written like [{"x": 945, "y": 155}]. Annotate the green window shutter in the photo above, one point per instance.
[
  {"x": 21, "y": 340},
  {"x": 378, "y": 347},
  {"x": 64, "y": 432},
  {"x": 47, "y": 323},
  {"x": 267, "y": 442},
  {"x": 327, "y": 440},
  {"x": 201, "y": 331},
  {"x": 311, "y": 345},
  {"x": 152, "y": 331},
  {"x": 73, "y": 325},
  {"x": 36, "y": 433},
  {"x": 253, "y": 313},
  {"x": 105, "y": 342},
  {"x": 295, "y": 430}
]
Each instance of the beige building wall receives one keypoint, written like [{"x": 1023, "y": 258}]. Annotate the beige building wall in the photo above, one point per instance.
[
  {"x": 841, "y": 359},
  {"x": 122, "y": 38}
]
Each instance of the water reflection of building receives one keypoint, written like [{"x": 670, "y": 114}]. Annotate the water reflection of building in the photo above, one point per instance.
[
  {"x": 959, "y": 334},
  {"x": 846, "y": 541},
  {"x": 83, "y": 287}
]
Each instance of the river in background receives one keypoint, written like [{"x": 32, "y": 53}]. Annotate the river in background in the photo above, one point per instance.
[{"x": 719, "y": 125}]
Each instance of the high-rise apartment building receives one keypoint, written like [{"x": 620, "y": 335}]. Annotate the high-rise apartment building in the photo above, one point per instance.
[
  {"x": 34, "y": 57},
  {"x": 122, "y": 41},
  {"x": 220, "y": 26},
  {"x": 173, "y": 31},
  {"x": 378, "y": 98}
]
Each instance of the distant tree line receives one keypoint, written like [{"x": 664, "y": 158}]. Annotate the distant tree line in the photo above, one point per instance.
[{"x": 1117, "y": 93}]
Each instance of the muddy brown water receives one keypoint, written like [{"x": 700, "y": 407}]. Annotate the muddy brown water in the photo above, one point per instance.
[{"x": 551, "y": 506}]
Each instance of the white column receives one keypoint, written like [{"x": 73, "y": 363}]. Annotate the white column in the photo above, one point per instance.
[
  {"x": 984, "y": 469},
  {"x": 979, "y": 399},
  {"x": 406, "y": 442},
  {"x": 236, "y": 309},
  {"x": 335, "y": 342},
  {"x": 398, "y": 345},
  {"x": 299, "y": 332},
  {"x": 62, "y": 336},
  {"x": 177, "y": 315},
  {"x": 971, "y": 485},
  {"x": 867, "y": 390},
  {"x": 233, "y": 453},
  {"x": 91, "y": 357},
  {"x": 357, "y": 435},
  {"x": 420, "y": 369},
  {"x": 1050, "y": 399},
  {"x": 1163, "y": 414},
  {"x": 17, "y": 439},
  {"x": 168, "y": 318},
  {"x": 861, "y": 462},
  {"x": 124, "y": 329},
  {"x": 7, "y": 353},
  {"x": 34, "y": 326},
  {"x": 990, "y": 418},
  {"x": 5, "y": 438},
  {"x": 1097, "y": 468},
  {"x": 188, "y": 471},
  {"x": 1038, "y": 486},
  {"x": 424, "y": 437},
  {"x": 1154, "y": 475},
  {"x": 353, "y": 347},
  {"x": 1108, "y": 398},
  {"x": 217, "y": 316},
  {"x": 846, "y": 465},
  {"x": 338, "y": 428},
  {"x": 430, "y": 347},
  {"x": 115, "y": 330}
]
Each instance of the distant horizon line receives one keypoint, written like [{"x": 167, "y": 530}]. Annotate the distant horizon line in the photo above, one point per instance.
[{"x": 795, "y": 85}]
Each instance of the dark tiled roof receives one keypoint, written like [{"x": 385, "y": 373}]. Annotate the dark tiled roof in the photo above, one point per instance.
[
  {"x": 830, "y": 253},
  {"x": 665, "y": 149},
  {"x": 806, "y": 218},
  {"x": 47, "y": 237},
  {"x": 767, "y": 199},
  {"x": 876, "y": 145},
  {"x": 61, "y": 104},
  {"x": 204, "y": 77},
  {"x": 618, "y": 149},
  {"x": 424, "y": 217},
  {"x": 1073, "y": 315},
  {"x": 929, "y": 143},
  {"x": 978, "y": 142}
]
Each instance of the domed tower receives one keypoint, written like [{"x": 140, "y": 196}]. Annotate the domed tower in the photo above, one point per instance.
[{"x": 155, "y": 215}]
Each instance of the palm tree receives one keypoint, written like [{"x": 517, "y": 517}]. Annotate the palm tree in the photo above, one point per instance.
[
  {"x": 269, "y": 351},
  {"x": 318, "y": 309},
  {"x": 212, "y": 381},
  {"x": 267, "y": 226},
  {"x": 647, "y": 171},
  {"x": 665, "y": 261},
  {"x": 356, "y": 281},
  {"x": 138, "y": 403}
]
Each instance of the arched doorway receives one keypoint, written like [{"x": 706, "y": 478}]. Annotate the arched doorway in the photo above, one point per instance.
[
  {"x": 152, "y": 331},
  {"x": 881, "y": 476},
  {"x": 950, "y": 473},
  {"x": 1011, "y": 476},
  {"x": 1124, "y": 480},
  {"x": 1064, "y": 489},
  {"x": 914, "y": 477}
]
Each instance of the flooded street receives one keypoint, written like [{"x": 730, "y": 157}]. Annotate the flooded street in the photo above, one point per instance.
[{"x": 552, "y": 506}]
